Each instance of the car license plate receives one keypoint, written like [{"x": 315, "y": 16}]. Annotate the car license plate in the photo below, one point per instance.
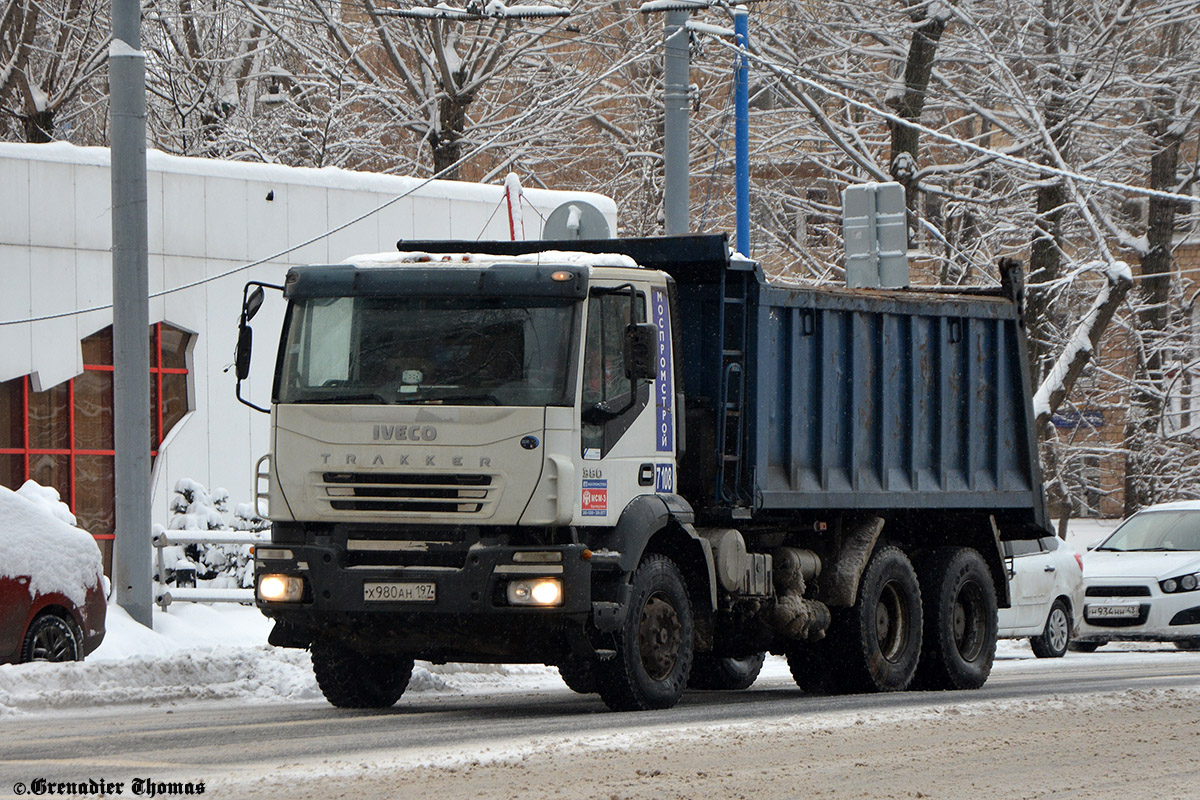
[
  {"x": 1112, "y": 611},
  {"x": 390, "y": 592}
]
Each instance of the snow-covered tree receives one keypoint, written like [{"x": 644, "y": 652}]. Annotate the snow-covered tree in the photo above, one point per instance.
[{"x": 53, "y": 59}]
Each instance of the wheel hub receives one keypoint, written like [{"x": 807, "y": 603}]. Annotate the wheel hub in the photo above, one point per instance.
[
  {"x": 890, "y": 622},
  {"x": 659, "y": 637}
]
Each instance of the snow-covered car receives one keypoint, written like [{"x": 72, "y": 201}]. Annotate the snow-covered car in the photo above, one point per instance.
[
  {"x": 1045, "y": 579},
  {"x": 1142, "y": 583},
  {"x": 52, "y": 585}
]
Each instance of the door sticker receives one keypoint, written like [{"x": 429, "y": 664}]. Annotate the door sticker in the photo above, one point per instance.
[
  {"x": 595, "y": 498},
  {"x": 664, "y": 430},
  {"x": 664, "y": 478}
]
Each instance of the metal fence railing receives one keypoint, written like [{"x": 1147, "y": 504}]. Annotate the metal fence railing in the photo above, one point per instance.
[{"x": 164, "y": 595}]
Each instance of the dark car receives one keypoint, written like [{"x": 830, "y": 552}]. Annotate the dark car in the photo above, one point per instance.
[{"x": 52, "y": 587}]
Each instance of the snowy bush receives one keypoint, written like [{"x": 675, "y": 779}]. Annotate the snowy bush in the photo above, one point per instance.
[{"x": 194, "y": 508}]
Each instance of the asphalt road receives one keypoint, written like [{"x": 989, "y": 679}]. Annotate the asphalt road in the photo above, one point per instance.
[{"x": 212, "y": 743}]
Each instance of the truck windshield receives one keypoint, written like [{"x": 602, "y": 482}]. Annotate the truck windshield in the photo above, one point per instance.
[{"x": 448, "y": 351}]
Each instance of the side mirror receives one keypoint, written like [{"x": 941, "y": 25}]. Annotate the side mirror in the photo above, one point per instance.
[
  {"x": 245, "y": 345},
  {"x": 640, "y": 342},
  {"x": 252, "y": 303}
]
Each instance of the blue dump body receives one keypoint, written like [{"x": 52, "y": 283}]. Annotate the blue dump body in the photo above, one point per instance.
[{"x": 806, "y": 402}]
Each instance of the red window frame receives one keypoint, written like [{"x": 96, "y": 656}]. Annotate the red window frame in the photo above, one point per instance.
[{"x": 157, "y": 371}]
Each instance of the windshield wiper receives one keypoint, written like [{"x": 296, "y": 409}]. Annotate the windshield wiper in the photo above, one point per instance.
[
  {"x": 1151, "y": 550},
  {"x": 465, "y": 399},
  {"x": 349, "y": 398}
]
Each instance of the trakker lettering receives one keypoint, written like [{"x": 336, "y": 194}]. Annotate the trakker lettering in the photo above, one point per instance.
[{"x": 407, "y": 459}]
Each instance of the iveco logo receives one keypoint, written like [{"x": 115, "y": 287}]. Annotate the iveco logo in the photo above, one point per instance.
[{"x": 404, "y": 433}]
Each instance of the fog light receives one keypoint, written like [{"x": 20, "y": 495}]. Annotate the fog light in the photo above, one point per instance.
[
  {"x": 280, "y": 588},
  {"x": 535, "y": 592}
]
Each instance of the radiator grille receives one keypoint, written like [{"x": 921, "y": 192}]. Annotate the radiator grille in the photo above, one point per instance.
[
  {"x": 424, "y": 493},
  {"x": 1118, "y": 591}
]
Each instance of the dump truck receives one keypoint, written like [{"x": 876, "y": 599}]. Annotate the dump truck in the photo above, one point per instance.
[{"x": 644, "y": 463}]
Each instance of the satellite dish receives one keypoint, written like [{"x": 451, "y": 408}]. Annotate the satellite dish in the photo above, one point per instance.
[{"x": 576, "y": 220}]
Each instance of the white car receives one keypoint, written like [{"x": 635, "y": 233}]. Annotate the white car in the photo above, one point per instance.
[
  {"x": 1045, "y": 584},
  {"x": 1142, "y": 583}
]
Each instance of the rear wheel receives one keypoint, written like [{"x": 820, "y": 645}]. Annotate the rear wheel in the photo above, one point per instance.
[
  {"x": 877, "y": 642},
  {"x": 1056, "y": 637},
  {"x": 715, "y": 672},
  {"x": 51, "y": 638},
  {"x": 654, "y": 648},
  {"x": 1188, "y": 644},
  {"x": 959, "y": 602},
  {"x": 350, "y": 679}
]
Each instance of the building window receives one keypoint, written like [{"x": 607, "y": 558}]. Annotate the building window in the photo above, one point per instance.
[{"x": 63, "y": 437}]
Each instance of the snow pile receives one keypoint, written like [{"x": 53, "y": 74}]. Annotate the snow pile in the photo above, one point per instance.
[
  {"x": 39, "y": 540},
  {"x": 200, "y": 653}
]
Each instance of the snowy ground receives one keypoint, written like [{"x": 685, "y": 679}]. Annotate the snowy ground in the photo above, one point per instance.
[{"x": 199, "y": 653}]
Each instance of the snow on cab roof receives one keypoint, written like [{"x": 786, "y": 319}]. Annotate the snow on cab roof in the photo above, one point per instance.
[{"x": 564, "y": 257}]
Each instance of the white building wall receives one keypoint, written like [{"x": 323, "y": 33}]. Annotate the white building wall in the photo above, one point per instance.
[{"x": 206, "y": 218}]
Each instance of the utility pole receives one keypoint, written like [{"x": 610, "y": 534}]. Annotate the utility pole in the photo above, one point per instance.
[
  {"x": 676, "y": 86},
  {"x": 132, "y": 568},
  {"x": 741, "y": 102}
]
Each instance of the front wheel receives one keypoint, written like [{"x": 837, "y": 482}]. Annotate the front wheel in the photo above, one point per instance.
[
  {"x": 578, "y": 676},
  {"x": 1056, "y": 637},
  {"x": 654, "y": 648},
  {"x": 51, "y": 638},
  {"x": 716, "y": 672},
  {"x": 350, "y": 679},
  {"x": 960, "y": 619}
]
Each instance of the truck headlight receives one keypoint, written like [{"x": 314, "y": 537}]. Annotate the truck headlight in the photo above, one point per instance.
[
  {"x": 535, "y": 592},
  {"x": 280, "y": 588}
]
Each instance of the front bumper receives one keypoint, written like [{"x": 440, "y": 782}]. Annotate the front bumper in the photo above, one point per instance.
[
  {"x": 1158, "y": 617},
  {"x": 470, "y": 618}
]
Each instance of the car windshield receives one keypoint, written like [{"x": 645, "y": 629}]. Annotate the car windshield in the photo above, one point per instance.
[
  {"x": 1151, "y": 531},
  {"x": 450, "y": 351}
]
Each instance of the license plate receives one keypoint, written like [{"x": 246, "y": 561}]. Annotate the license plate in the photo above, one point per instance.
[
  {"x": 399, "y": 592},
  {"x": 1112, "y": 611}
]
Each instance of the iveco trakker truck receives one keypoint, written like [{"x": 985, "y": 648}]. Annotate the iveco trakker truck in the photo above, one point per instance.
[{"x": 641, "y": 462}]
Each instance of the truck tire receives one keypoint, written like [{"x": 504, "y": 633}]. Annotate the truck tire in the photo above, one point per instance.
[
  {"x": 1055, "y": 638},
  {"x": 876, "y": 643},
  {"x": 350, "y": 679},
  {"x": 578, "y": 676},
  {"x": 814, "y": 669},
  {"x": 960, "y": 619},
  {"x": 724, "y": 673},
  {"x": 654, "y": 645}
]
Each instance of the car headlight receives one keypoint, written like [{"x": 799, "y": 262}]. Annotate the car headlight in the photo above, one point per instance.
[
  {"x": 280, "y": 588},
  {"x": 1184, "y": 583},
  {"x": 536, "y": 592}
]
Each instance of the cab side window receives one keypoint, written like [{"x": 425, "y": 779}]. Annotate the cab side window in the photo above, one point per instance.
[{"x": 604, "y": 379}]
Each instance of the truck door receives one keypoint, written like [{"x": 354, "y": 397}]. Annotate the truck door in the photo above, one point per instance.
[{"x": 623, "y": 453}]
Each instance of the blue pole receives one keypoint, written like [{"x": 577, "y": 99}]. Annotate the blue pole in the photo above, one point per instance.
[{"x": 741, "y": 101}]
